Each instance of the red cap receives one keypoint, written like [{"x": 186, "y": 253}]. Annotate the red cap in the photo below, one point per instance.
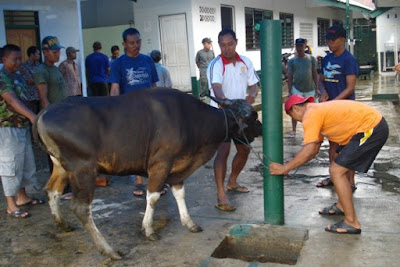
[{"x": 296, "y": 99}]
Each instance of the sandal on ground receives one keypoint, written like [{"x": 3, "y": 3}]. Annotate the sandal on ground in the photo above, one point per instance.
[
  {"x": 325, "y": 182},
  {"x": 238, "y": 189},
  {"x": 353, "y": 188},
  {"x": 33, "y": 202},
  {"x": 292, "y": 134},
  {"x": 164, "y": 189},
  {"x": 331, "y": 210},
  {"x": 334, "y": 228},
  {"x": 138, "y": 188},
  {"x": 19, "y": 214},
  {"x": 225, "y": 207},
  {"x": 66, "y": 196}
]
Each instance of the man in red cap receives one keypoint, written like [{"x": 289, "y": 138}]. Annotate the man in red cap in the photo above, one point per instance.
[{"x": 360, "y": 131}]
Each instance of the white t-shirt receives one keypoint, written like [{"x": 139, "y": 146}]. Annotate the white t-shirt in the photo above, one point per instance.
[{"x": 233, "y": 78}]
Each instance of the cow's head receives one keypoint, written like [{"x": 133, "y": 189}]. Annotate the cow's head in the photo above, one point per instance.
[{"x": 242, "y": 118}]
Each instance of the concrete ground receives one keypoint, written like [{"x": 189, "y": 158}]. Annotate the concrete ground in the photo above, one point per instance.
[{"x": 38, "y": 242}]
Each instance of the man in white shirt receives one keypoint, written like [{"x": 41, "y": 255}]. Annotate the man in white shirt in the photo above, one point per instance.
[{"x": 229, "y": 75}]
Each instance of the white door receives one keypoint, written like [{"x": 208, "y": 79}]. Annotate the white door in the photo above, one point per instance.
[{"x": 174, "y": 46}]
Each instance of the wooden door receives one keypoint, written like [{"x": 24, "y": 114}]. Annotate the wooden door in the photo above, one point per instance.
[
  {"x": 24, "y": 38},
  {"x": 174, "y": 46}
]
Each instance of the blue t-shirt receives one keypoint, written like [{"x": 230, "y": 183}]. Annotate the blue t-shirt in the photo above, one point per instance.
[
  {"x": 335, "y": 70},
  {"x": 133, "y": 73},
  {"x": 97, "y": 64}
]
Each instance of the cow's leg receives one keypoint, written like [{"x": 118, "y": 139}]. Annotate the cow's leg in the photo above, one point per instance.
[
  {"x": 147, "y": 224},
  {"x": 54, "y": 188},
  {"x": 82, "y": 184},
  {"x": 179, "y": 193}
]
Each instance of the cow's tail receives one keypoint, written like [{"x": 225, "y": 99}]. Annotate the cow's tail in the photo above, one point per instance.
[{"x": 35, "y": 132}]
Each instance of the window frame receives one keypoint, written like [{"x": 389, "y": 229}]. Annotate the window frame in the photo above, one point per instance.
[
  {"x": 322, "y": 28},
  {"x": 287, "y": 35},
  {"x": 252, "y": 35}
]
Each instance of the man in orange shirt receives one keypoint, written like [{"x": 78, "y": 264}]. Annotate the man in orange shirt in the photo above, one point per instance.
[{"x": 360, "y": 131}]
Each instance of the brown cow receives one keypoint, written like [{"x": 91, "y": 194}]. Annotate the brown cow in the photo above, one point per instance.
[{"x": 163, "y": 134}]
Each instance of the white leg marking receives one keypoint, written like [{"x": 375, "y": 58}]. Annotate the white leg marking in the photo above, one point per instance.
[
  {"x": 179, "y": 194},
  {"x": 54, "y": 198},
  {"x": 98, "y": 238},
  {"x": 147, "y": 223}
]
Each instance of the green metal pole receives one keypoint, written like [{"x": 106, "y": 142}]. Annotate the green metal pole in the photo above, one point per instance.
[
  {"x": 195, "y": 88},
  {"x": 271, "y": 99},
  {"x": 347, "y": 45}
]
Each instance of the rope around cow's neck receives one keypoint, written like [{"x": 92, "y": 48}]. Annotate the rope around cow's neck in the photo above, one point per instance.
[
  {"x": 226, "y": 124},
  {"x": 247, "y": 143}
]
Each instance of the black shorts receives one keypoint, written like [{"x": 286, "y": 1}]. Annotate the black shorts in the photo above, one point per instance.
[
  {"x": 239, "y": 141},
  {"x": 362, "y": 149}
]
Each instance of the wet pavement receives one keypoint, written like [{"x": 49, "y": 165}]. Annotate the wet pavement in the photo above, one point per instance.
[{"x": 37, "y": 241}]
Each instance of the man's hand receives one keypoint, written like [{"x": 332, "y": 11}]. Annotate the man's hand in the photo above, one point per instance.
[
  {"x": 324, "y": 97},
  {"x": 250, "y": 99},
  {"x": 277, "y": 169}
]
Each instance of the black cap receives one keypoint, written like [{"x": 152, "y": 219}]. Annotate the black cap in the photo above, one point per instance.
[
  {"x": 206, "y": 40},
  {"x": 300, "y": 41},
  {"x": 335, "y": 32}
]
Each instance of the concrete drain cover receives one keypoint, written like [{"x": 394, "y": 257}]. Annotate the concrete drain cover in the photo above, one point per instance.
[{"x": 262, "y": 243}]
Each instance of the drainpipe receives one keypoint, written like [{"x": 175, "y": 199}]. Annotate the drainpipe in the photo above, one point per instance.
[
  {"x": 81, "y": 54},
  {"x": 271, "y": 99},
  {"x": 348, "y": 23}
]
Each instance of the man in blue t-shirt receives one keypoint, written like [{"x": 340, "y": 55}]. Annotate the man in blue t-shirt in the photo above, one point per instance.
[
  {"x": 133, "y": 71},
  {"x": 338, "y": 77},
  {"x": 97, "y": 70}
]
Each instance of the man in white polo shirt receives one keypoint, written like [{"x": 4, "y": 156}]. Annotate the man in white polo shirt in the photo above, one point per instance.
[{"x": 229, "y": 75}]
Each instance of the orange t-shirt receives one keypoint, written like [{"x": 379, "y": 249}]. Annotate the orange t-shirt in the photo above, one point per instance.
[{"x": 338, "y": 120}]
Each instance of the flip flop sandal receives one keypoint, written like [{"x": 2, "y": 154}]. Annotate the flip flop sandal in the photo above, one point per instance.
[
  {"x": 164, "y": 189},
  {"x": 353, "y": 188},
  {"x": 33, "y": 202},
  {"x": 331, "y": 210},
  {"x": 19, "y": 214},
  {"x": 225, "y": 207},
  {"x": 238, "y": 189},
  {"x": 325, "y": 182},
  {"x": 139, "y": 187},
  {"x": 342, "y": 225}
]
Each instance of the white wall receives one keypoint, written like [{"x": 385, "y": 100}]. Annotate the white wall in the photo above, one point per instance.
[
  {"x": 300, "y": 9},
  {"x": 146, "y": 16},
  {"x": 107, "y": 36},
  {"x": 58, "y": 18},
  {"x": 388, "y": 32}
]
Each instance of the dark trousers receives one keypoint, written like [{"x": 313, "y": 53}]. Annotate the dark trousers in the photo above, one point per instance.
[{"x": 98, "y": 89}]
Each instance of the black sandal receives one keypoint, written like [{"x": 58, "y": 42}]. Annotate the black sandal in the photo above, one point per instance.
[
  {"x": 139, "y": 187},
  {"x": 19, "y": 214},
  {"x": 325, "y": 182},
  {"x": 331, "y": 210},
  {"x": 333, "y": 228}
]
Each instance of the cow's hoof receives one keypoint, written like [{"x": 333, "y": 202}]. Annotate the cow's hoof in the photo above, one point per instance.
[
  {"x": 66, "y": 227},
  {"x": 195, "y": 229},
  {"x": 115, "y": 256},
  {"x": 153, "y": 237}
]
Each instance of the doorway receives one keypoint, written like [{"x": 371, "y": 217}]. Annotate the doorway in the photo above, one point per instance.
[
  {"x": 227, "y": 17},
  {"x": 22, "y": 29},
  {"x": 175, "y": 52}
]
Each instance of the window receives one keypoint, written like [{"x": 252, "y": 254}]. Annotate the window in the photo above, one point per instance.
[
  {"x": 252, "y": 17},
  {"x": 287, "y": 29},
  {"x": 306, "y": 32},
  {"x": 227, "y": 17},
  {"x": 323, "y": 25}
]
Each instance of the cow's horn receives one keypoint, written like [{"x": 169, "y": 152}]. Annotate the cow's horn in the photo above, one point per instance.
[{"x": 222, "y": 102}]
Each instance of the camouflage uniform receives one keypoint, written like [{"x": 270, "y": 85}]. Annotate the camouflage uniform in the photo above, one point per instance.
[
  {"x": 17, "y": 163},
  {"x": 8, "y": 116}
]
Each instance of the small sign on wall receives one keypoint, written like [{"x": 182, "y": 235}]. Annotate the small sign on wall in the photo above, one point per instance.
[{"x": 207, "y": 14}]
